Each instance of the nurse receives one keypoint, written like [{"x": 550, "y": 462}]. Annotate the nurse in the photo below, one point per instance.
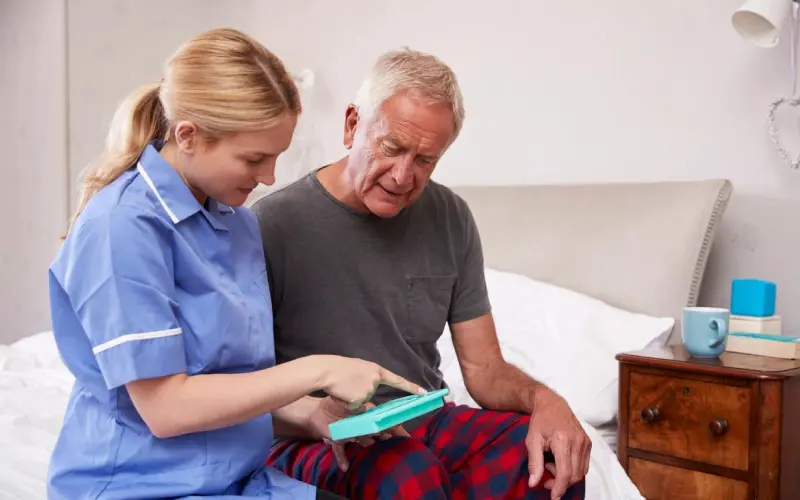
[{"x": 159, "y": 297}]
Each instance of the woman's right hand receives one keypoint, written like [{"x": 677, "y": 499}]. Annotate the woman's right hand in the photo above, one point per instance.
[{"x": 354, "y": 381}]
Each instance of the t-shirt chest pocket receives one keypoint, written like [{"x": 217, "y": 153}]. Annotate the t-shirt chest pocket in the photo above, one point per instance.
[{"x": 427, "y": 306}]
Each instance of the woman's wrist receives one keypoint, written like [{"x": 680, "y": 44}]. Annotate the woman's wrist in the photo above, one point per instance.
[{"x": 319, "y": 366}]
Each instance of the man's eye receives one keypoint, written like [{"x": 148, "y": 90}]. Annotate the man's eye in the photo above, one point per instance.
[
  {"x": 254, "y": 161},
  {"x": 391, "y": 151},
  {"x": 424, "y": 161}
]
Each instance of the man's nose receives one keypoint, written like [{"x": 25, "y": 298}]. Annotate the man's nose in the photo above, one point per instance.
[{"x": 401, "y": 173}]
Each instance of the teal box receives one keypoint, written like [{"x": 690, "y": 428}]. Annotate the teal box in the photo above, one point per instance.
[
  {"x": 387, "y": 415},
  {"x": 753, "y": 297}
]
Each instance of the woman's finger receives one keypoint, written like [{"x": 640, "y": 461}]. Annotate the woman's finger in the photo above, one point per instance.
[{"x": 393, "y": 380}]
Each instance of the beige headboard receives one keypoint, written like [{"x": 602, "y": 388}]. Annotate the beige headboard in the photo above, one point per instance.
[{"x": 640, "y": 247}]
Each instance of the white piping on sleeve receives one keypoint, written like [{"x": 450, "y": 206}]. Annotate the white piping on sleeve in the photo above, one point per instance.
[
  {"x": 149, "y": 182},
  {"x": 135, "y": 336}
]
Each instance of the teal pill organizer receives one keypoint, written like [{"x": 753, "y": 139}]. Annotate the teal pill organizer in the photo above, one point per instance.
[
  {"x": 387, "y": 415},
  {"x": 766, "y": 336}
]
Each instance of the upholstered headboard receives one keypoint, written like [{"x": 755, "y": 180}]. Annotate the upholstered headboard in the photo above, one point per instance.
[{"x": 641, "y": 247}]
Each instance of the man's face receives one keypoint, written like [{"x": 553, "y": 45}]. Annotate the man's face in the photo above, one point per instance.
[{"x": 393, "y": 154}]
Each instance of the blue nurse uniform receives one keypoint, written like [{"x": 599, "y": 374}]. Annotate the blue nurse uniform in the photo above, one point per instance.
[{"x": 151, "y": 283}]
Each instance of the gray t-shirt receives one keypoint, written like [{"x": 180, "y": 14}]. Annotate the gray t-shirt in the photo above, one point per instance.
[{"x": 353, "y": 284}]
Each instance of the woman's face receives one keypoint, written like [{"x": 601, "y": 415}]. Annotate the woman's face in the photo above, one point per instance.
[{"x": 230, "y": 168}]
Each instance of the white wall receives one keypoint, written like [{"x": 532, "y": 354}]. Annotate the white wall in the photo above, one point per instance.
[
  {"x": 556, "y": 92},
  {"x": 33, "y": 142},
  {"x": 115, "y": 46}
]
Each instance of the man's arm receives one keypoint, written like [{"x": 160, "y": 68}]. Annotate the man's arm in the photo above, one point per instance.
[
  {"x": 491, "y": 381},
  {"x": 497, "y": 385}
]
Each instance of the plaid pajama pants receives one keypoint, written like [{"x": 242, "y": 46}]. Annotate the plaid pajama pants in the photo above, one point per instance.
[{"x": 460, "y": 453}]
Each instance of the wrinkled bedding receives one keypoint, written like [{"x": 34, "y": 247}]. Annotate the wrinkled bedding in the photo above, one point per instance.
[{"x": 35, "y": 385}]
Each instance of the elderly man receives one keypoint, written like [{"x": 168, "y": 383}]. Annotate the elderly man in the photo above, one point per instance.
[{"x": 369, "y": 258}]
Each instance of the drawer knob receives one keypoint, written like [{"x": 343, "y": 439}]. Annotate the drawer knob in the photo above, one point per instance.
[
  {"x": 718, "y": 427},
  {"x": 649, "y": 415}
]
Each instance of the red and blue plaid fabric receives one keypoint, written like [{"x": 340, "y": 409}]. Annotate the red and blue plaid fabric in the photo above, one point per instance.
[{"x": 459, "y": 453}]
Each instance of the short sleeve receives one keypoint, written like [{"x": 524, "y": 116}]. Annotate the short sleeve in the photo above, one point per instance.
[
  {"x": 119, "y": 276},
  {"x": 470, "y": 297}
]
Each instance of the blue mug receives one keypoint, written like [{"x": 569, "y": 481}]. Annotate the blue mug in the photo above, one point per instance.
[{"x": 705, "y": 331}]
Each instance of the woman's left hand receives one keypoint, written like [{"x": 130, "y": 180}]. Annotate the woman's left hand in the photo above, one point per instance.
[{"x": 331, "y": 410}]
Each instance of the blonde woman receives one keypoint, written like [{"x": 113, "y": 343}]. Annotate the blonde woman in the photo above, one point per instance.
[{"x": 159, "y": 296}]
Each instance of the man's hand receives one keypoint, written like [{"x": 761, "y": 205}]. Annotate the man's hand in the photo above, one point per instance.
[
  {"x": 554, "y": 428},
  {"x": 498, "y": 385},
  {"x": 331, "y": 410}
]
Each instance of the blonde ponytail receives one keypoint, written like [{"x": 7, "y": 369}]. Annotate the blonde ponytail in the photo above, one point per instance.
[
  {"x": 221, "y": 80},
  {"x": 137, "y": 121}
]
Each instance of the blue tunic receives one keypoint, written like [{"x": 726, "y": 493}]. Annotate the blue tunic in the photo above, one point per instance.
[{"x": 150, "y": 283}]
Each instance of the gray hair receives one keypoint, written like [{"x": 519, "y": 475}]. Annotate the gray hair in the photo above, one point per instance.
[{"x": 413, "y": 71}]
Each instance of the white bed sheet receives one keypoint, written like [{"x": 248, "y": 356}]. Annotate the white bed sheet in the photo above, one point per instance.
[
  {"x": 35, "y": 387},
  {"x": 609, "y": 434}
]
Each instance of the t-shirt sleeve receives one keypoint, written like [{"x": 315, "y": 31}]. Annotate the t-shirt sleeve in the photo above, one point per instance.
[
  {"x": 470, "y": 297},
  {"x": 120, "y": 280}
]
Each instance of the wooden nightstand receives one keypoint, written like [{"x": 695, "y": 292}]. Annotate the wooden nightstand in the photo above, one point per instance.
[{"x": 725, "y": 428}]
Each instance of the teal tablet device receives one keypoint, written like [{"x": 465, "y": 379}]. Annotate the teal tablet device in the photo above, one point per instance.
[{"x": 387, "y": 415}]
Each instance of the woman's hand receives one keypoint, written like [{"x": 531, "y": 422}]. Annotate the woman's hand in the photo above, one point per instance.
[
  {"x": 330, "y": 410},
  {"x": 353, "y": 381},
  {"x": 180, "y": 404}
]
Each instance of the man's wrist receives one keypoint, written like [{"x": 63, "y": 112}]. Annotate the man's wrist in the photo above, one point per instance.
[
  {"x": 535, "y": 395},
  {"x": 297, "y": 419}
]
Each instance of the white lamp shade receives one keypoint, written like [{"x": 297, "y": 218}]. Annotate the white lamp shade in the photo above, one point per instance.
[{"x": 760, "y": 21}]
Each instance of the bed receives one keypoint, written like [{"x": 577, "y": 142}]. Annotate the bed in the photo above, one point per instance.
[{"x": 576, "y": 273}]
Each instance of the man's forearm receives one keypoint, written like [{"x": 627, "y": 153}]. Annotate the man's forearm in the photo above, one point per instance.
[
  {"x": 293, "y": 421},
  {"x": 503, "y": 387}
]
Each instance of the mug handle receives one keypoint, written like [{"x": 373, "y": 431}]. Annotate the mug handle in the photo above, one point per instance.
[{"x": 722, "y": 332}]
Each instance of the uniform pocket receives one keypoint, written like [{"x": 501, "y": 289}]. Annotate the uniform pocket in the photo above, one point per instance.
[{"x": 427, "y": 306}]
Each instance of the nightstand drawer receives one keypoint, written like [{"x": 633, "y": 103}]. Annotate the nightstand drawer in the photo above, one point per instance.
[
  {"x": 706, "y": 422},
  {"x": 664, "y": 482}
]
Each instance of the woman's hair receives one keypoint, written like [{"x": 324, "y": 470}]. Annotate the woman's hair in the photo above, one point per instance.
[{"x": 221, "y": 80}]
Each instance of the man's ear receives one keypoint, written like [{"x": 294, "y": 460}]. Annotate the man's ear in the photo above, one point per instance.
[
  {"x": 350, "y": 125},
  {"x": 187, "y": 137}
]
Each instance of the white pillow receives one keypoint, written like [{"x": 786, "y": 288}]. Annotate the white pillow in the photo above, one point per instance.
[{"x": 562, "y": 338}]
